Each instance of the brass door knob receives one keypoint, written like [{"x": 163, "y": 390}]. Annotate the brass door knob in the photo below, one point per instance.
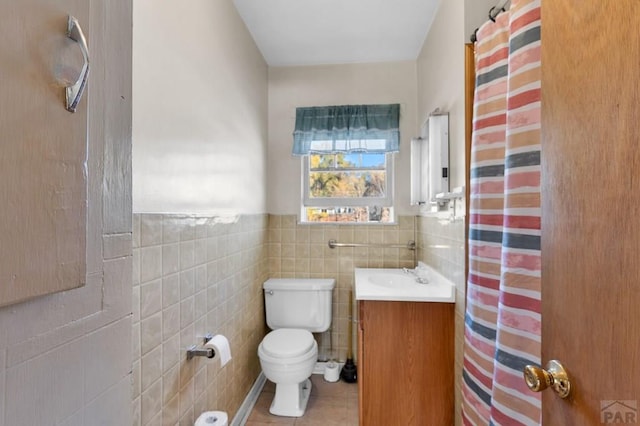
[{"x": 554, "y": 376}]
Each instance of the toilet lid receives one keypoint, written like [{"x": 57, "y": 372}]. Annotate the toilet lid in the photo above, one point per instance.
[{"x": 287, "y": 343}]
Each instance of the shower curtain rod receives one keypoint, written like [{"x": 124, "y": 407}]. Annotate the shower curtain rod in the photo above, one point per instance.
[
  {"x": 493, "y": 13},
  {"x": 495, "y": 10}
]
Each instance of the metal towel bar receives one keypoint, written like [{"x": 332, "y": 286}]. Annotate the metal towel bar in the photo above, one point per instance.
[{"x": 411, "y": 245}]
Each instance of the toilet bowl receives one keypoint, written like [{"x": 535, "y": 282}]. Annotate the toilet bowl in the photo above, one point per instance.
[{"x": 288, "y": 357}]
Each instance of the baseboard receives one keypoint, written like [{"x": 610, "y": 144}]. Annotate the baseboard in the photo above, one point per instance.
[
  {"x": 244, "y": 411},
  {"x": 320, "y": 366},
  {"x": 247, "y": 405}
]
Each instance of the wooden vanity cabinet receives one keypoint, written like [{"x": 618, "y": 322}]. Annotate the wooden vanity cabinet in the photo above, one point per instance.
[{"x": 405, "y": 363}]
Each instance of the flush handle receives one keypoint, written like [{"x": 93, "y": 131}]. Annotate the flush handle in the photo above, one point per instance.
[{"x": 554, "y": 376}]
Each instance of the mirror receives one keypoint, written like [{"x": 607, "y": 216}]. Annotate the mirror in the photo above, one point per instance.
[{"x": 430, "y": 160}]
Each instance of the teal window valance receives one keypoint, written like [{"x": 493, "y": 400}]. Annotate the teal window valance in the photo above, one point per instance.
[{"x": 347, "y": 128}]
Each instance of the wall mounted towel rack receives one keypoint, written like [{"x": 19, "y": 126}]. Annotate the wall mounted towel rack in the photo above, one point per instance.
[{"x": 410, "y": 245}]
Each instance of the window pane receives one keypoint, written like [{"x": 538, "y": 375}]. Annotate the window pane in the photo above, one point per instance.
[
  {"x": 353, "y": 184},
  {"x": 321, "y": 161},
  {"x": 373, "y": 160},
  {"x": 351, "y": 160},
  {"x": 348, "y": 187},
  {"x": 349, "y": 214},
  {"x": 347, "y": 161}
]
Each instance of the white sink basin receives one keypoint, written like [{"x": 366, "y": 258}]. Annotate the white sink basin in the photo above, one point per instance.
[{"x": 398, "y": 285}]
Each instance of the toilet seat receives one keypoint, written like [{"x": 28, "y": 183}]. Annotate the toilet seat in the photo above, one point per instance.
[{"x": 287, "y": 343}]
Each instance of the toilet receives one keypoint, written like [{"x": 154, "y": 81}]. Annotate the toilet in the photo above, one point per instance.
[{"x": 294, "y": 308}]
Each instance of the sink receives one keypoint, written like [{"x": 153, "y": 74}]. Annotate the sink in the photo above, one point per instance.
[
  {"x": 391, "y": 280},
  {"x": 398, "y": 285}
]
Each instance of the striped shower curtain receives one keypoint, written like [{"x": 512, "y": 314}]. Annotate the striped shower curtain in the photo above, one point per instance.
[{"x": 502, "y": 322}]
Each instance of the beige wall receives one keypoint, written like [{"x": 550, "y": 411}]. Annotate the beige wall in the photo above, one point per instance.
[
  {"x": 194, "y": 276},
  {"x": 199, "y": 110},
  {"x": 441, "y": 79},
  {"x": 62, "y": 356},
  {"x": 291, "y": 87},
  {"x": 199, "y": 149}
]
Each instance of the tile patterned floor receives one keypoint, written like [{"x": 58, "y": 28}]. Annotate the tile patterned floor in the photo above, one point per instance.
[{"x": 330, "y": 404}]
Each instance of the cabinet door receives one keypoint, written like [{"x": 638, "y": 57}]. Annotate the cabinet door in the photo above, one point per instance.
[
  {"x": 407, "y": 363},
  {"x": 43, "y": 157}
]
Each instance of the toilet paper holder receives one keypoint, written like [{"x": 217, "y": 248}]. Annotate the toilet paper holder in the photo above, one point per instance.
[{"x": 193, "y": 351}]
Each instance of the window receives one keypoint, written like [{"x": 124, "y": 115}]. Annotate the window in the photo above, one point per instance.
[
  {"x": 347, "y": 162},
  {"x": 343, "y": 187}
]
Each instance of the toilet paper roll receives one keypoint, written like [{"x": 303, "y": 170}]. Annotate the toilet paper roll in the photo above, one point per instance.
[
  {"x": 212, "y": 418},
  {"x": 332, "y": 372},
  {"x": 220, "y": 345}
]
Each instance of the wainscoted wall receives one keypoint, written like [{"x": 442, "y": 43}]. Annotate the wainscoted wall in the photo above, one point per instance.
[
  {"x": 302, "y": 251},
  {"x": 197, "y": 275},
  {"x": 441, "y": 245},
  {"x": 192, "y": 276}
]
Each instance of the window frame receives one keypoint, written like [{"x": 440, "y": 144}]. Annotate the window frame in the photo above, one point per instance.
[{"x": 327, "y": 202}]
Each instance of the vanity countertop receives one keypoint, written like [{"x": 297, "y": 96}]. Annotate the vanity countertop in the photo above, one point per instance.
[{"x": 399, "y": 285}]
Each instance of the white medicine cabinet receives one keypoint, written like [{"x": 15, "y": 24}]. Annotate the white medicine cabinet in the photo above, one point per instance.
[{"x": 430, "y": 160}]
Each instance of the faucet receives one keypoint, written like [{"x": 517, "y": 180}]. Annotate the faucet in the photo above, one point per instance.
[{"x": 420, "y": 273}]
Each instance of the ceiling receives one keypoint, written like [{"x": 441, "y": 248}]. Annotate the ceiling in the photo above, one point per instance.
[{"x": 312, "y": 32}]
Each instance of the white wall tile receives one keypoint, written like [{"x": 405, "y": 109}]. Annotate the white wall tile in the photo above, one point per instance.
[
  {"x": 54, "y": 315},
  {"x": 116, "y": 300},
  {"x": 136, "y": 409},
  {"x": 187, "y": 283},
  {"x": 135, "y": 241},
  {"x": 170, "y": 229},
  {"x": 105, "y": 361},
  {"x": 187, "y": 254},
  {"x": 150, "y": 298},
  {"x": 170, "y": 290},
  {"x": 150, "y": 229},
  {"x": 151, "y": 403},
  {"x": 191, "y": 307},
  {"x": 136, "y": 380},
  {"x": 151, "y": 263},
  {"x": 150, "y": 333},
  {"x": 136, "y": 267},
  {"x": 186, "y": 312},
  {"x": 170, "y": 258},
  {"x": 151, "y": 367},
  {"x": 107, "y": 408},
  {"x": 135, "y": 341},
  {"x": 171, "y": 384},
  {"x": 171, "y": 411},
  {"x": 55, "y": 379},
  {"x": 135, "y": 304},
  {"x": 170, "y": 321},
  {"x": 116, "y": 245}
]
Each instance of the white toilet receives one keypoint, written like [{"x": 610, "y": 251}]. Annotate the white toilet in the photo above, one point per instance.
[{"x": 294, "y": 308}]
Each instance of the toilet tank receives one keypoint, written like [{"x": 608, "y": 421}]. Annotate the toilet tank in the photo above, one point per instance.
[{"x": 298, "y": 303}]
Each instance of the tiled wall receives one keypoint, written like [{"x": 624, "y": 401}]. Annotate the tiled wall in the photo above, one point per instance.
[
  {"x": 197, "y": 275},
  {"x": 192, "y": 276},
  {"x": 301, "y": 251},
  {"x": 60, "y": 355},
  {"x": 441, "y": 245}
]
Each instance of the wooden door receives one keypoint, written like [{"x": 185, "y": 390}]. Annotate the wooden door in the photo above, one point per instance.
[
  {"x": 590, "y": 208},
  {"x": 43, "y": 152}
]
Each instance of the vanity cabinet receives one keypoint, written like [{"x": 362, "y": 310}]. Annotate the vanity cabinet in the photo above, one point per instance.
[{"x": 406, "y": 363}]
